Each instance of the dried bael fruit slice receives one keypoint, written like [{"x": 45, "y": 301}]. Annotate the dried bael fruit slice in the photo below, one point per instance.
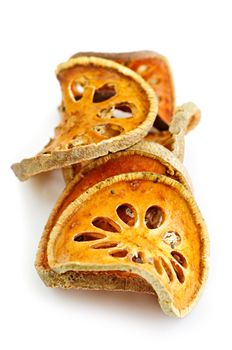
[
  {"x": 186, "y": 116},
  {"x": 108, "y": 107},
  {"x": 150, "y": 230},
  {"x": 154, "y": 68},
  {"x": 144, "y": 156}
]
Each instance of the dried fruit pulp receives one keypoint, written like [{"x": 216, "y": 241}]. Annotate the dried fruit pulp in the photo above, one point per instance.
[
  {"x": 90, "y": 128},
  {"x": 96, "y": 235},
  {"x": 81, "y": 117},
  {"x": 155, "y": 70},
  {"x": 115, "y": 164}
]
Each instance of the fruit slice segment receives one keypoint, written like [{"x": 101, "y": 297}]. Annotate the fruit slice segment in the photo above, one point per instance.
[
  {"x": 144, "y": 156},
  {"x": 107, "y": 107},
  {"x": 154, "y": 68},
  {"x": 142, "y": 223}
]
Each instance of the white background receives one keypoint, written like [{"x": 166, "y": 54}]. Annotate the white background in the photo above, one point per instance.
[{"x": 35, "y": 37}]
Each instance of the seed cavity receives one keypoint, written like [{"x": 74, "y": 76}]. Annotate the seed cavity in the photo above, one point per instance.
[
  {"x": 178, "y": 271},
  {"x": 106, "y": 224},
  {"x": 122, "y": 111},
  {"x": 119, "y": 111},
  {"x": 104, "y": 93},
  {"x": 154, "y": 217},
  {"x": 108, "y": 130},
  {"x": 179, "y": 258},
  {"x": 172, "y": 239},
  {"x": 105, "y": 245},
  {"x": 77, "y": 90},
  {"x": 127, "y": 214},
  {"x": 138, "y": 258},
  {"x": 119, "y": 253},
  {"x": 158, "y": 266},
  {"x": 88, "y": 236},
  {"x": 167, "y": 269}
]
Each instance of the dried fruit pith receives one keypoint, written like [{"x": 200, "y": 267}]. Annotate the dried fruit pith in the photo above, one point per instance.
[
  {"x": 142, "y": 157},
  {"x": 154, "y": 68},
  {"x": 95, "y": 121},
  {"x": 161, "y": 239}
]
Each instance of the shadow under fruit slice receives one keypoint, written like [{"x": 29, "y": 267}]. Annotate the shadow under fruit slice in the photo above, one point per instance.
[
  {"x": 106, "y": 108},
  {"x": 143, "y": 224},
  {"x": 154, "y": 68}
]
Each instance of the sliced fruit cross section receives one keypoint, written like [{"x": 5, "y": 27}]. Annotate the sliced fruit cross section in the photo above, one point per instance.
[
  {"x": 154, "y": 68},
  {"x": 107, "y": 107},
  {"x": 144, "y": 156},
  {"x": 141, "y": 223}
]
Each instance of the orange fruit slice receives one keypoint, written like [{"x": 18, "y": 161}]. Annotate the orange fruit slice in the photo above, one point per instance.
[
  {"x": 155, "y": 69},
  {"x": 106, "y": 108},
  {"x": 144, "y": 156},
  {"x": 158, "y": 244}
]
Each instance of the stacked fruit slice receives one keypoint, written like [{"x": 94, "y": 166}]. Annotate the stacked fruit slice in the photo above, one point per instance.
[{"x": 127, "y": 219}]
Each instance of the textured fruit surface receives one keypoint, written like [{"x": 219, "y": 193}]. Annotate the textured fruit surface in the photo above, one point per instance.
[
  {"x": 99, "y": 103},
  {"x": 106, "y": 107},
  {"x": 115, "y": 165},
  {"x": 142, "y": 223},
  {"x": 144, "y": 156},
  {"x": 153, "y": 68}
]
